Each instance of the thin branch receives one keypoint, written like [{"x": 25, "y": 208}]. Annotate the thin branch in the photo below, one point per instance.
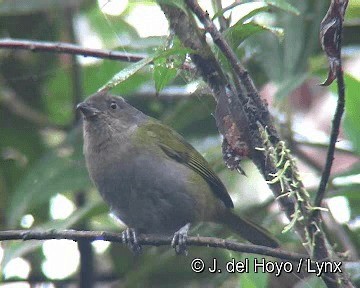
[
  {"x": 333, "y": 138},
  {"x": 151, "y": 240},
  {"x": 256, "y": 112},
  {"x": 72, "y": 49},
  {"x": 216, "y": 35},
  {"x": 252, "y": 106},
  {"x": 67, "y": 48}
]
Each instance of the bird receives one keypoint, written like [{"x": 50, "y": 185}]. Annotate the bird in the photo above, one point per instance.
[{"x": 154, "y": 180}]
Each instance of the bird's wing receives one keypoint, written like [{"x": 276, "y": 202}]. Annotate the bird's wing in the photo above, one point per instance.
[{"x": 177, "y": 148}]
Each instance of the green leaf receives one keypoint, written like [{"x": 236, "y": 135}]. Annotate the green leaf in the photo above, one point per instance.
[
  {"x": 253, "y": 8},
  {"x": 248, "y": 10},
  {"x": 126, "y": 73},
  {"x": 165, "y": 70},
  {"x": 99, "y": 73},
  {"x": 135, "y": 67},
  {"x": 60, "y": 170},
  {"x": 283, "y": 5},
  {"x": 110, "y": 28},
  {"x": 163, "y": 75},
  {"x": 17, "y": 249},
  {"x": 352, "y": 115},
  {"x": 237, "y": 33}
]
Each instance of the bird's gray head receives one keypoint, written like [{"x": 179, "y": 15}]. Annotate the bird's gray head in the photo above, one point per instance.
[{"x": 104, "y": 113}]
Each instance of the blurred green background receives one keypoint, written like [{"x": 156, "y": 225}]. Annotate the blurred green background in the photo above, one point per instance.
[{"x": 43, "y": 180}]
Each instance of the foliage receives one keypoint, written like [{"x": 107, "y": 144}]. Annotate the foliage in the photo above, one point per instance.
[{"x": 277, "y": 40}]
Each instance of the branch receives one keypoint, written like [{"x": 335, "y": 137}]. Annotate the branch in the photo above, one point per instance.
[
  {"x": 330, "y": 35},
  {"x": 246, "y": 101},
  {"x": 246, "y": 108},
  {"x": 333, "y": 138},
  {"x": 331, "y": 29},
  {"x": 149, "y": 240},
  {"x": 67, "y": 48}
]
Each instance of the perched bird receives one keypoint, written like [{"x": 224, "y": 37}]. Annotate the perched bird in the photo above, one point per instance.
[{"x": 152, "y": 178}]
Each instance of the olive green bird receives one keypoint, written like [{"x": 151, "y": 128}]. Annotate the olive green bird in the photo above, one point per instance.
[{"x": 154, "y": 181}]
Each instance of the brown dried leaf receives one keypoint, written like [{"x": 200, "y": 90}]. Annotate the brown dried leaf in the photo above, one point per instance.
[{"x": 330, "y": 36}]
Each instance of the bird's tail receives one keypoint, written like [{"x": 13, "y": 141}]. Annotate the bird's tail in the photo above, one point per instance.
[{"x": 248, "y": 230}]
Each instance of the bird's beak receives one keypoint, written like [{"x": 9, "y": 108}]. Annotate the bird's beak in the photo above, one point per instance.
[{"x": 87, "y": 110}]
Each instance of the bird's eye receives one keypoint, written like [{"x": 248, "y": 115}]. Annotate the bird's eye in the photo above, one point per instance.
[{"x": 113, "y": 105}]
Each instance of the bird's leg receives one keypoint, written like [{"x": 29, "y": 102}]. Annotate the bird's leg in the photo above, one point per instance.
[
  {"x": 179, "y": 240},
  {"x": 129, "y": 238}
]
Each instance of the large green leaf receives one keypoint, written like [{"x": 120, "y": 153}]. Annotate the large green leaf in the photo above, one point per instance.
[
  {"x": 166, "y": 67},
  {"x": 60, "y": 170},
  {"x": 99, "y": 73},
  {"x": 248, "y": 10},
  {"x": 283, "y": 61},
  {"x": 283, "y": 5},
  {"x": 239, "y": 32},
  {"x": 112, "y": 30},
  {"x": 135, "y": 67},
  {"x": 352, "y": 115}
]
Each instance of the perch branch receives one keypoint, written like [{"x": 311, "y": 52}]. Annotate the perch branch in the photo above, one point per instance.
[{"x": 150, "y": 240}]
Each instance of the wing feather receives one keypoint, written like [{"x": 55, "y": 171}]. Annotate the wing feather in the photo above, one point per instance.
[{"x": 178, "y": 149}]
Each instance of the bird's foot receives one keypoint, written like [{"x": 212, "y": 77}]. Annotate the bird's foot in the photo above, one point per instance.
[
  {"x": 129, "y": 238},
  {"x": 179, "y": 240}
]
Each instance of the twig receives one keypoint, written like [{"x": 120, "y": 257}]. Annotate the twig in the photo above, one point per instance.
[
  {"x": 251, "y": 105},
  {"x": 333, "y": 138},
  {"x": 237, "y": 67},
  {"x": 150, "y": 240},
  {"x": 67, "y": 48},
  {"x": 257, "y": 114}
]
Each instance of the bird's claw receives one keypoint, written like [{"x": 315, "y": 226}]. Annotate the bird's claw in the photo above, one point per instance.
[
  {"x": 129, "y": 238},
  {"x": 179, "y": 240}
]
